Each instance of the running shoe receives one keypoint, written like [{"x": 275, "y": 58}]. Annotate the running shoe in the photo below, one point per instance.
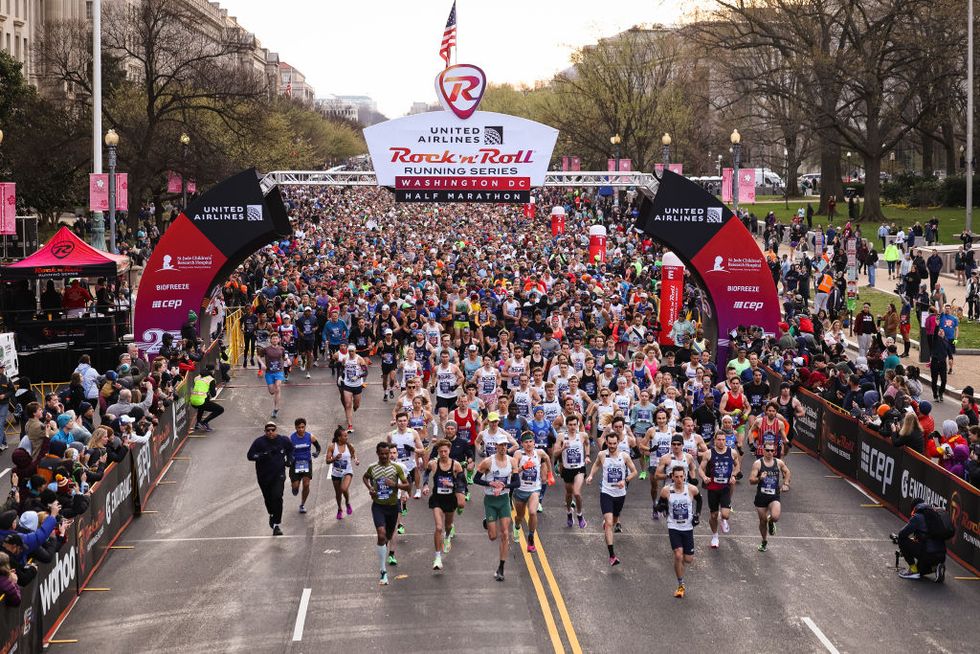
[
  {"x": 205, "y": 425},
  {"x": 276, "y": 531},
  {"x": 656, "y": 515},
  {"x": 618, "y": 528},
  {"x": 469, "y": 479},
  {"x": 724, "y": 526},
  {"x": 459, "y": 510},
  {"x": 418, "y": 494},
  {"x": 392, "y": 560},
  {"x": 643, "y": 475},
  {"x": 908, "y": 574},
  {"x": 540, "y": 507},
  {"x": 531, "y": 549},
  {"x": 764, "y": 546},
  {"x": 401, "y": 529},
  {"x": 384, "y": 398},
  {"x": 350, "y": 509},
  {"x": 581, "y": 522},
  {"x": 340, "y": 515},
  {"x": 447, "y": 544},
  {"x": 404, "y": 509},
  {"x": 467, "y": 498},
  {"x": 275, "y": 413},
  {"x": 517, "y": 534},
  {"x": 714, "y": 541},
  {"x": 679, "y": 593},
  {"x": 569, "y": 522},
  {"x": 452, "y": 532},
  {"x": 295, "y": 491},
  {"x": 485, "y": 523},
  {"x": 771, "y": 526},
  {"x": 437, "y": 563},
  {"x": 350, "y": 428},
  {"x": 498, "y": 575},
  {"x": 309, "y": 376},
  {"x": 302, "y": 508},
  {"x": 384, "y": 579},
  {"x": 614, "y": 560},
  {"x": 573, "y": 504}
]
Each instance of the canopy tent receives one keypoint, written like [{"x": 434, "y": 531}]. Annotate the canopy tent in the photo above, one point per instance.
[{"x": 66, "y": 255}]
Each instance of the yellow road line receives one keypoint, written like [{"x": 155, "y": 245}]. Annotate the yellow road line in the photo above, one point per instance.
[
  {"x": 967, "y": 578},
  {"x": 566, "y": 620},
  {"x": 549, "y": 620},
  {"x": 871, "y": 506}
]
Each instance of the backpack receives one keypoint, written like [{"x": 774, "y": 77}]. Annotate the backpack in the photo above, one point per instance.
[{"x": 938, "y": 523}]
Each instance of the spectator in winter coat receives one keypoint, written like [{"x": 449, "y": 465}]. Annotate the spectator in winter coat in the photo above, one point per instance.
[
  {"x": 8, "y": 582},
  {"x": 90, "y": 377}
]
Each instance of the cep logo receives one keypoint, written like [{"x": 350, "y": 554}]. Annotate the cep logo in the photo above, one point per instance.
[
  {"x": 167, "y": 304},
  {"x": 493, "y": 135},
  {"x": 877, "y": 465},
  {"x": 748, "y": 306}
]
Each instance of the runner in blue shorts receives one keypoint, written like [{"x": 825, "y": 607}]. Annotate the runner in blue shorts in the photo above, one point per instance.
[{"x": 274, "y": 376}]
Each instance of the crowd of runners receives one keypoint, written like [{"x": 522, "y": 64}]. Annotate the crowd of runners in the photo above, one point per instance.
[{"x": 512, "y": 362}]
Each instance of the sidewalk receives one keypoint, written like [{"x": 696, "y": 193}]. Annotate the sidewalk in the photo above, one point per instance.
[{"x": 966, "y": 370}]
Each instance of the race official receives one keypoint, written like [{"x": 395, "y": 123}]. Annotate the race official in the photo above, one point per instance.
[{"x": 272, "y": 454}]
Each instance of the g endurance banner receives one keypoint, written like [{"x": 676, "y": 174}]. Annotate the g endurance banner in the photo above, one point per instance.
[
  {"x": 212, "y": 237},
  {"x": 439, "y": 157}
]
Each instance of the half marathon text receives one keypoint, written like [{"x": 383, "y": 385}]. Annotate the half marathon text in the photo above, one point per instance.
[{"x": 403, "y": 195}]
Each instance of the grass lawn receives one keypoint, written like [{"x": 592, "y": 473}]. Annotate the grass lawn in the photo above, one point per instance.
[
  {"x": 951, "y": 219},
  {"x": 969, "y": 331}
]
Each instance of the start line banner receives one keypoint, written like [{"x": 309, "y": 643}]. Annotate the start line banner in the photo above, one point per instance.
[{"x": 439, "y": 157}]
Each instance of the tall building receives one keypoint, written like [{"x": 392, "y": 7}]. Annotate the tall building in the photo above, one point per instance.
[
  {"x": 292, "y": 83},
  {"x": 337, "y": 106}
]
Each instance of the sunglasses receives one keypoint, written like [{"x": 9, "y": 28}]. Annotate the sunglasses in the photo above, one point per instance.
[
  {"x": 770, "y": 451},
  {"x": 270, "y": 428}
]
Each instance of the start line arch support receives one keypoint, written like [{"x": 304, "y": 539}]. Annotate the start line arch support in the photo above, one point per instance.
[{"x": 591, "y": 179}]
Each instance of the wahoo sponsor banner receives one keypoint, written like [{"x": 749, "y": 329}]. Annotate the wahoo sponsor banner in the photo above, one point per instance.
[
  {"x": 216, "y": 233},
  {"x": 717, "y": 248},
  {"x": 439, "y": 157}
]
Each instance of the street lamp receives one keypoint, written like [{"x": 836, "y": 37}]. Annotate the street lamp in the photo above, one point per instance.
[
  {"x": 185, "y": 141},
  {"x": 891, "y": 160},
  {"x": 786, "y": 181},
  {"x": 736, "y": 140},
  {"x": 112, "y": 142},
  {"x": 616, "y": 139},
  {"x": 665, "y": 140},
  {"x": 719, "y": 165},
  {"x": 848, "y": 155}
]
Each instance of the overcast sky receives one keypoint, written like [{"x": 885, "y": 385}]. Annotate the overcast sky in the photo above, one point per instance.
[{"x": 389, "y": 49}]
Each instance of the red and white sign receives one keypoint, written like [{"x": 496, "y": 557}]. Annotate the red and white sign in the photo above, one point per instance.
[
  {"x": 726, "y": 185},
  {"x": 122, "y": 192},
  {"x": 98, "y": 192},
  {"x": 674, "y": 168},
  {"x": 625, "y": 165},
  {"x": 460, "y": 89},
  {"x": 746, "y": 185},
  {"x": 597, "y": 244},
  {"x": 571, "y": 164},
  {"x": 671, "y": 295},
  {"x": 557, "y": 221},
  {"x": 8, "y": 208},
  {"x": 179, "y": 277},
  {"x": 173, "y": 182}
]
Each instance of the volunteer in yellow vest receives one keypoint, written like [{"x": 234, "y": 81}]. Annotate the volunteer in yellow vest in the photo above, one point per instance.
[
  {"x": 202, "y": 399},
  {"x": 824, "y": 288}
]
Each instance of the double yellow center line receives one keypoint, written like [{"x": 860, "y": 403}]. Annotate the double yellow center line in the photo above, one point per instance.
[{"x": 559, "y": 601}]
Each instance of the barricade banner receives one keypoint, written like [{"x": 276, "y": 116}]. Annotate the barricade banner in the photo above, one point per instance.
[
  {"x": 839, "y": 441},
  {"x": 111, "y": 505},
  {"x": 57, "y": 584},
  {"x": 808, "y": 427},
  {"x": 878, "y": 463}
]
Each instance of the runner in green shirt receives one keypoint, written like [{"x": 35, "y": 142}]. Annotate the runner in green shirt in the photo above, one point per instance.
[{"x": 383, "y": 480}]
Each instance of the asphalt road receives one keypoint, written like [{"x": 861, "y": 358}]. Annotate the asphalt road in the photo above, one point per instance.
[{"x": 205, "y": 575}]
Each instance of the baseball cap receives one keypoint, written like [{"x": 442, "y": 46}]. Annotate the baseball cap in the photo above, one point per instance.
[
  {"x": 388, "y": 331},
  {"x": 127, "y": 419},
  {"x": 883, "y": 409},
  {"x": 472, "y": 348},
  {"x": 493, "y": 416},
  {"x": 676, "y": 438},
  {"x": 270, "y": 424}
]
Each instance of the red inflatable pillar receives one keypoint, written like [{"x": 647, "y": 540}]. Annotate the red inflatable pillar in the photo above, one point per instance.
[
  {"x": 597, "y": 244},
  {"x": 557, "y": 221},
  {"x": 671, "y": 295}
]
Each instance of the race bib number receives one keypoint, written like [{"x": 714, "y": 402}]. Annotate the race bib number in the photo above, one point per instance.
[
  {"x": 489, "y": 385},
  {"x": 445, "y": 387},
  {"x": 301, "y": 466},
  {"x": 614, "y": 475},
  {"x": 574, "y": 458},
  {"x": 529, "y": 475},
  {"x": 680, "y": 511},
  {"x": 384, "y": 490},
  {"x": 768, "y": 490},
  {"x": 445, "y": 486},
  {"x": 339, "y": 466}
]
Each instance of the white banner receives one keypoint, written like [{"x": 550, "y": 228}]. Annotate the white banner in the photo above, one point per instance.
[
  {"x": 438, "y": 154},
  {"x": 8, "y": 354}
]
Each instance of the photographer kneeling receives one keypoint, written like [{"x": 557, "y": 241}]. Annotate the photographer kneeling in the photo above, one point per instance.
[{"x": 922, "y": 541}]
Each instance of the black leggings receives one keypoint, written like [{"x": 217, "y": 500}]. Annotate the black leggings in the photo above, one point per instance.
[
  {"x": 249, "y": 348},
  {"x": 938, "y": 370}
]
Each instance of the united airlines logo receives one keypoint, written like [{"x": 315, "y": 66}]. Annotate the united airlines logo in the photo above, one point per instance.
[{"x": 493, "y": 135}]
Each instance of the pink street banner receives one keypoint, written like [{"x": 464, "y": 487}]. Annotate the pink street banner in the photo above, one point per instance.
[
  {"x": 191, "y": 186},
  {"x": 8, "y": 208},
  {"x": 726, "y": 185},
  {"x": 746, "y": 186},
  {"x": 122, "y": 191},
  {"x": 98, "y": 192},
  {"x": 173, "y": 182},
  {"x": 674, "y": 168}
]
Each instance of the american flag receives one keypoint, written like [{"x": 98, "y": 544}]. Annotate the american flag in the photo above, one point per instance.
[{"x": 449, "y": 36}]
